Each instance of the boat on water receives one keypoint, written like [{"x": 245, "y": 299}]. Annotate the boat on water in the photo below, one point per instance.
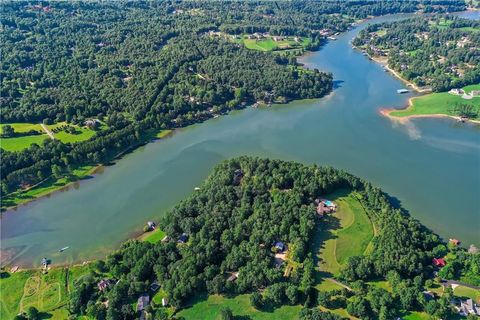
[
  {"x": 332, "y": 38},
  {"x": 402, "y": 91},
  {"x": 63, "y": 249}
]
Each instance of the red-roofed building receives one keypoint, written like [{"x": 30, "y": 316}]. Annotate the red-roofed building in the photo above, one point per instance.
[
  {"x": 454, "y": 242},
  {"x": 439, "y": 262}
]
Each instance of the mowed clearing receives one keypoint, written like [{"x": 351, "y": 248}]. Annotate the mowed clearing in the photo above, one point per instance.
[
  {"x": 344, "y": 234},
  {"x": 210, "y": 308},
  {"x": 439, "y": 103},
  {"x": 22, "y": 142}
]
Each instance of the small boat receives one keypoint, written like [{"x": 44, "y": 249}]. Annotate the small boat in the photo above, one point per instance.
[
  {"x": 197, "y": 189},
  {"x": 63, "y": 249},
  {"x": 402, "y": 91},
  {"x": 332, "y": 38}
]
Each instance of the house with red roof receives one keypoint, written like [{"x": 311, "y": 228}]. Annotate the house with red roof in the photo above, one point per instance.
[{"x": 440, "y": 262}]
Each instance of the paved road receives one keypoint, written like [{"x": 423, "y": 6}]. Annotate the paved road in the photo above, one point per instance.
[
  {"x": 48, "y": 131},
  {"x": 453, "y": 282}
]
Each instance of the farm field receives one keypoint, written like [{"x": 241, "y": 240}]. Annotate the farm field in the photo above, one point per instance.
[
  {"x": 438, "y": 103},
  {"x": 349, "y": 233},
  {"x": 46, "y": 292}
]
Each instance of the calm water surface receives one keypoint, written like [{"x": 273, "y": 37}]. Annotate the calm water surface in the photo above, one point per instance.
[{"x": 431, "y": 165}]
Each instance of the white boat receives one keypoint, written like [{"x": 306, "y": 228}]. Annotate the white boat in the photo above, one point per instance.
[
  {"x": 402, "y": 91},
  {"x": 63, "y": 249}
]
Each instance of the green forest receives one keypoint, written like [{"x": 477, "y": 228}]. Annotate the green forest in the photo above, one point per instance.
[
  {"x": 233, "y": 226},
  {"x": 439, "y": 52},
  {"x": 142, "y": 67}
]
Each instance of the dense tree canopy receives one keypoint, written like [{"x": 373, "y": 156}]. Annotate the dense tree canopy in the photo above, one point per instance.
[
  {"x": 440, "y": 52},
  {"x": 233, "y": 222},
  {"x": 145, "y": 66}
]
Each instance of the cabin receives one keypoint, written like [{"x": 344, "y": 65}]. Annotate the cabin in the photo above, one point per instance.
[
  {"x": 440, "y": 262},
  {"x": 233, "y": 277},
  {"x": 237, "y": 176},
  {"x": 280, "y": 246},
  {"x": 454, "y": 242},
  {"x": 143, "y": 302},
  {"x": 104, "y": 284},
  {"x": 91, "y": 123},
  {"x": 183, "y": 238}
]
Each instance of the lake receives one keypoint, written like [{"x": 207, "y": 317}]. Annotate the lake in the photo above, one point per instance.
[{"x": 432, "y": 166}]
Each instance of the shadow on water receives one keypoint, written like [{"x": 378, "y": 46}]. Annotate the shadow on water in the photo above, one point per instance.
[{"x": 337, "y": 84}]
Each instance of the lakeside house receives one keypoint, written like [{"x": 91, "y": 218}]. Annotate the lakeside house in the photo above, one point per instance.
[
  {"x": 104, "y": 284},
  {"x": 280, "y": 246},
  {"x": 183, "y": 238},
  {"x": 91, "y": 123},
  {"x": 468, "y": 307},
  {"x": 456, "y": 91},
  {"x": 151, "y": 225},
  {"x": 325, "y": 206},
  {"x": 439, "y": 263},
  {"x": 237, "y": 176},
  {"x": 454, "y": 242},
  {"x": 143, "y": 302},
  {"x": 233, "y": 276}
]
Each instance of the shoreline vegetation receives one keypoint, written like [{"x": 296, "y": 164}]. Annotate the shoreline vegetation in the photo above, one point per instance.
[
  {"x": 52, "y": 185},
  {"x": 292, "y": 272}
]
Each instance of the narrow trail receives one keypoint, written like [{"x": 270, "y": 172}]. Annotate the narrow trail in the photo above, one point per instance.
[{"x": 47, "y": 131}]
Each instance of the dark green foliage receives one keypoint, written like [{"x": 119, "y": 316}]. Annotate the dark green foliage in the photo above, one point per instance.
[
  {"x": 440, "y": 51},
  {"x": 316, "y": 314}
]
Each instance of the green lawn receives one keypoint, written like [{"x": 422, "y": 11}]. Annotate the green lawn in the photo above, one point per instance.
[
  {"x": 84, "y": 133},
  {"x": 209, "y": 309},
  {"x": 462, "y": 291},
  {"x": 268, "y": 44},
  {"x": 20, "y": 143},
  {"x": 438, "y": 103},
  {"x": 153, "y": 236},
  {"x": 343, "y": 234}
]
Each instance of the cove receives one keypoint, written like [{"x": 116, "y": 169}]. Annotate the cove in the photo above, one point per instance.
[{"x": 431, "y": 166}]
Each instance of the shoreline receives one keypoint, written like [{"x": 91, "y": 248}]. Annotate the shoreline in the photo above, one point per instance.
[
  {"x": 90, "y": 173},
  {"x": 386, "y": 112}
]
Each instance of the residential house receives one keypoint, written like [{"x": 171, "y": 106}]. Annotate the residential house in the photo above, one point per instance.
[
  {"x": 183, "y": 238},
  {"x": 104, "y": 284},
  {"x": 280, "y": 246},
  {"x": 440, "y": 262}
]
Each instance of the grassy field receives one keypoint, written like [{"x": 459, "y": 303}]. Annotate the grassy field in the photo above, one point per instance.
[
  {"x": 349, "y": 233},
  {"x": 47, "y": 292},
  {"x": 439, "y": 103},
  {"x": 268, "y": 44},
  {"x": 20, "y": 143},
  {"x": 209, "y": 309},
  {"x": 465, "y": 292},
  {"x": 153, "y": 236}
]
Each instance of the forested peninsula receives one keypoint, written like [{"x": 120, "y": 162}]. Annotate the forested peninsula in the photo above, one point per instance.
[
  {"x": 258, "y": 232},
  {"x": 103, "y": 78}
]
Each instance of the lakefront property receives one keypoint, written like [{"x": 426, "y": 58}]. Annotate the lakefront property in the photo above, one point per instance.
[{"x": 200, "y": 207}]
